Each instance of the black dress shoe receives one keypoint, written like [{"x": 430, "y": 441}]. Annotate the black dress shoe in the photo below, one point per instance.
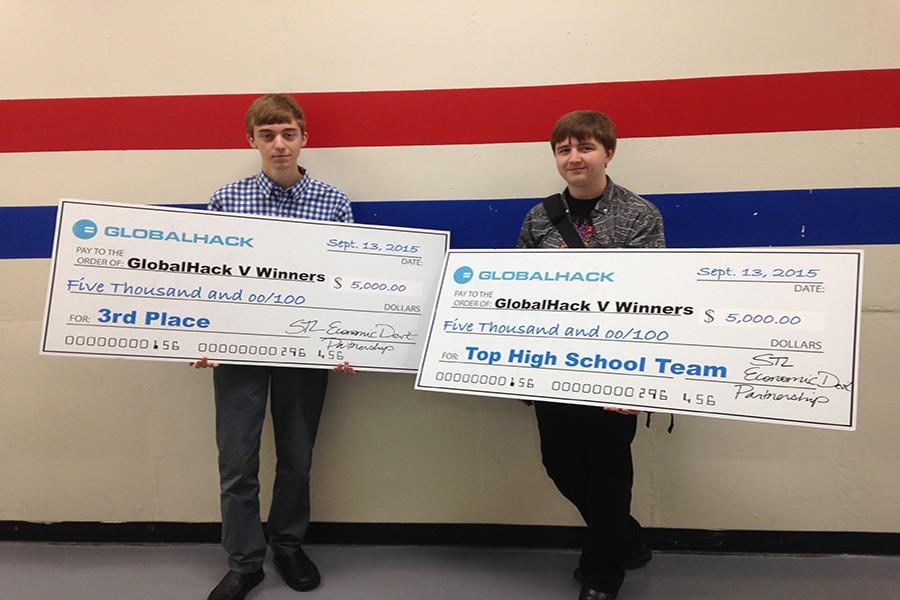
[
  {"x": 298, "y": 571},
  {"x": 638, "y": 558},
  {"x": 234, "y": 586},
  {"x": 592, "y": 594}
]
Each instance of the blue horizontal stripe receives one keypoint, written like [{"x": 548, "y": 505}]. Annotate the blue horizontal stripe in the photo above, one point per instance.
[{"x": 707, "y": 220}]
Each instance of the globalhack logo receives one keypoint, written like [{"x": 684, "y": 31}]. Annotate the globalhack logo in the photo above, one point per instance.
[
  {"x": 84, "y": 229},
  {"x": 463, "y": 275}
]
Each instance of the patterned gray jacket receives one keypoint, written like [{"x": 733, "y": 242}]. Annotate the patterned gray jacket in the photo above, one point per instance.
[{"x": 621, "y": 219}]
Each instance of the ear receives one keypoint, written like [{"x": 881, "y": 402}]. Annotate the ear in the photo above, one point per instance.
[
  {"x": 609, "y": 155},
  {"x": 304, "y": 137},
  {"x": 251, "y": 141}
]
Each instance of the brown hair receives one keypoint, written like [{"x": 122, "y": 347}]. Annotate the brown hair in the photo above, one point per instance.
[
  {"x": 274, "y": 108},
  {"x": 584, "y": 125}
]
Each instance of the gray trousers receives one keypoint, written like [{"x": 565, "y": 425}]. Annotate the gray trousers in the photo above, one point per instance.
[{"x": 296, "y": 404}]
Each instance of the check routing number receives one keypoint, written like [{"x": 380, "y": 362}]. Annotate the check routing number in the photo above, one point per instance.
[
  {"x": 757, "y": 335},
  {"x": 165, "y": 283}
]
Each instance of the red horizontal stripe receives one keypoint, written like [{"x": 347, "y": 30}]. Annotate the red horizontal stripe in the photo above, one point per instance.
[{"x": 712, "y": 105}]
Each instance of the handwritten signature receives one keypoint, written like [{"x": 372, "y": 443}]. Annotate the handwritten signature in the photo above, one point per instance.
[
  {"x": 745, "y": 391},
  {"x": 337, "y": 329},
  {"x": 339, "y": 344},
  {"x": 820, "y": 379}
]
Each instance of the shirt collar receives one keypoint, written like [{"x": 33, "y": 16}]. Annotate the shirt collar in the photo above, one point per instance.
[
  {"x": 606, "y": 196},
  {"x": 268, "y": 187},
  {"x": 604, "y": 199}
]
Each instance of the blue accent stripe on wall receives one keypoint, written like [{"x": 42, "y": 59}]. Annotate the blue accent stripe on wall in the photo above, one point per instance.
[
  {"x": 706, "y": 220},
  {"x": 26, "y": 231}
]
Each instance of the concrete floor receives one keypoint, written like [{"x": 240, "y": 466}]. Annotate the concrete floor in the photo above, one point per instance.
[{"x": 41, "y": 571}]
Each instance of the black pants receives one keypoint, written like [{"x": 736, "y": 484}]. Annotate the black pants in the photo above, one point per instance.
[{"x": 587, "y": 452}]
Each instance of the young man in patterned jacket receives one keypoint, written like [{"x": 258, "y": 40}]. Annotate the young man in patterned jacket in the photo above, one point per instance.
[{"x": 586, "y": 450}]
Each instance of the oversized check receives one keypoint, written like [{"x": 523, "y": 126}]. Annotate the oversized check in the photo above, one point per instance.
[
  {"x": 165, "y": 283},
  {"x": 757, "y": 335}
]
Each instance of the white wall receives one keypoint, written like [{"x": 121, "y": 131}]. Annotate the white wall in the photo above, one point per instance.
[{"x": 107, "y": 440}]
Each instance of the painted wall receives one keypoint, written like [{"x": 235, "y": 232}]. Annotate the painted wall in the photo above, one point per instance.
[{"x": 749, "y": 123}]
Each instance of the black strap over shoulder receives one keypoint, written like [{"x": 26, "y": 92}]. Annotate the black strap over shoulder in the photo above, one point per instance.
[{"x": 559, "y": 218}]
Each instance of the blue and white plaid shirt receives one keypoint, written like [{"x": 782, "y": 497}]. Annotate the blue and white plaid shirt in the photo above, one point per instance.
[{"x": 307, "y": 199}]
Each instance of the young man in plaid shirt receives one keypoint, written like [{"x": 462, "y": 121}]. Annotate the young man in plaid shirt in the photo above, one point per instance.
[{"x": 276, "y": 128}]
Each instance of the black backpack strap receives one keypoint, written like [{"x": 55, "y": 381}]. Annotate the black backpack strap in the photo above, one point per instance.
[{"x": 559, "y": 218}]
